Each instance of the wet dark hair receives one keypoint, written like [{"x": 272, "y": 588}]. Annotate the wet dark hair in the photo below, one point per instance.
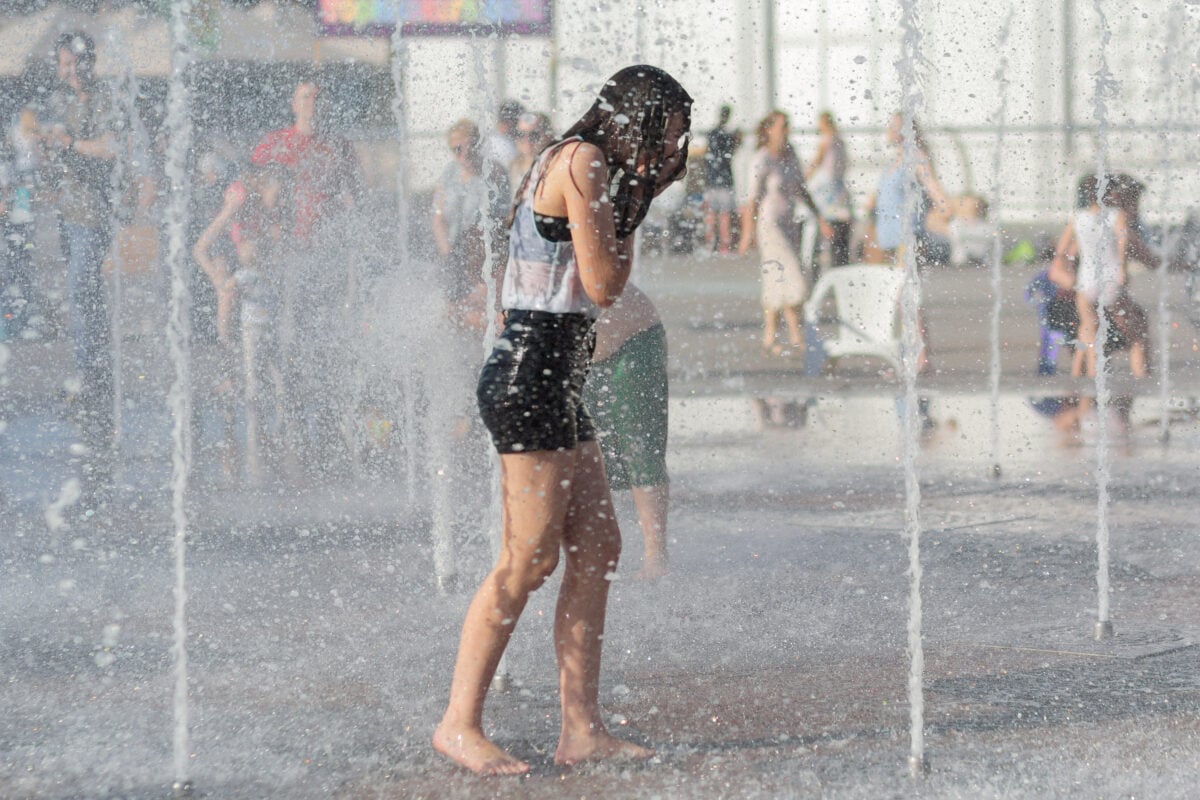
[
  {"x": 1124, "y": 192},
  {"x": 628, "y": 122},
  {"x": 84, "y": 50},
  {"x": 1087, "y": 192},
  {"x": 509, "y": 112}
]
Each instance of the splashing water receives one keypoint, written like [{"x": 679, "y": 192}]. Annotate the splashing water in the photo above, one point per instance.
[
  {"x": 1104, "y": 87},
  {"x": 406, "y": 377},
  {"x": 495, "y": 513},
  {"x": 179, "y": 128},
  {"x": 997, "y": 242},
  {"x": 1170, "y": 52},
  {"x": 909, "y": 65}
]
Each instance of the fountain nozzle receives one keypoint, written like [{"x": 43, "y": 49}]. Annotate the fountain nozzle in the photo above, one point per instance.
[
  {"x": 182, "y": 790},
  {"x": 918, "y": 766},
  {"x": 1104, "y": 630}
]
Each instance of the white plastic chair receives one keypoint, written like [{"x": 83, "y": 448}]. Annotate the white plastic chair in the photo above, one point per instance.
[{"x": 866, "y": 304}]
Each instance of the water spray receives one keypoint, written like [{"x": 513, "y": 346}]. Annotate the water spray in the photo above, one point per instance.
[
  {"x": 1175, "y": 22},
  {"x": 910, "y": 62},
  {"x": 1104, "y": 87},
  {"x": 997, "y": 241},
  {"x": 179, "y": 129}
]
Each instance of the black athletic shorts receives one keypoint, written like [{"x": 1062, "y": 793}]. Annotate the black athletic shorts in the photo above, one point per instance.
[{"x": 530, "y": 391}]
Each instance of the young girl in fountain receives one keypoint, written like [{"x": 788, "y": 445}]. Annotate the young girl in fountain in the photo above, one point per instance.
[{"x": 571, "y": 235}]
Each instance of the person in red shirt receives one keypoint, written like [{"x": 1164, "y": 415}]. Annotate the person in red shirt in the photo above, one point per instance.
[
  {"x": 323, "y": 168},
  {"x": 319, "y": 285}
]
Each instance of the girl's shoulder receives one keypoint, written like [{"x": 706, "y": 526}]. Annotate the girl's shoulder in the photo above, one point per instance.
[
  {"x": 574, "y": 160},
  {"x": 564, "y": 154}
]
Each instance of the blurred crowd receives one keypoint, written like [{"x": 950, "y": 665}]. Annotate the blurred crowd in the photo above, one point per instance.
[{"x": 276, "y": 283}]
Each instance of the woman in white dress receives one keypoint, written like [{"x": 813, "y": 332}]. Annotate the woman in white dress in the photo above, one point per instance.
[{"x": 776, "y": 184}]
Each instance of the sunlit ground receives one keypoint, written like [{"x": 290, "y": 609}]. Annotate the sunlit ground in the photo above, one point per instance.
[{"x": 770, "y": 662}]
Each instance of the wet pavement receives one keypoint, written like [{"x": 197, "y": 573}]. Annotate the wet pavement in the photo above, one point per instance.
[{"x": 771, "y": 661}]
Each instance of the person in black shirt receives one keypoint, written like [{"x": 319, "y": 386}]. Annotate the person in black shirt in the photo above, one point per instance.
[{"x": 719, "y": 201}]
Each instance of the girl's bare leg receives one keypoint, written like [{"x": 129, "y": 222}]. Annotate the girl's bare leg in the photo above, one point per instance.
[
  {"x": 769, "y": 328},
  {"x": 1138, "y": 360},
  {"x": 651, "y": 503},
  {"x": 592, "y": 544},
  {"x": 1084, "y": 361},
  {"x": 791, "y": 315},
  {"x": 535, "y": 507}
]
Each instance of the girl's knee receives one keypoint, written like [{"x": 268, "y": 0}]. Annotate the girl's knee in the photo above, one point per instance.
[{"x": 528, "y": 574}]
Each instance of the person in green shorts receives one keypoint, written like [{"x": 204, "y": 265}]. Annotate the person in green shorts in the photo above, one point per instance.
[{"x": 626, "y": 394}]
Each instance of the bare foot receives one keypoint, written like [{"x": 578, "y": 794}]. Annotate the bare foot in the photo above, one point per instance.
[
  {"x": 650, "y": 571},
  {"x": 471, "y": 749},
  {"x": 598, "y": 746}
]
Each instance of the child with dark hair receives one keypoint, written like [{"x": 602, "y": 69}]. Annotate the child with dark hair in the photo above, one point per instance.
[
  {"x": 569, "y": 256},
  {"x": 1097, "y": 236}
]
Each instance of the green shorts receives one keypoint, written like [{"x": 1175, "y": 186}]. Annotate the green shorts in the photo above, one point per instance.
[{"x": 626, "y": 395}]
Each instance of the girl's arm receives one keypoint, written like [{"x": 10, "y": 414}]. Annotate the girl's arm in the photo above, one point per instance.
[
  {"x": 750, "y": 209},
  {"x": 215, "y": 269},
  {"x": 806, "y": 198},
  {"x": 580, "y": 174},
  {"x": 749, "y": 214},
  {"x": 1058, "y": 272},
  {"x": 933, "y": 187},
  {"x": 817, "y": 158}
]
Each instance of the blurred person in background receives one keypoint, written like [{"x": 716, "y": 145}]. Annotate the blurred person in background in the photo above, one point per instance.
[
  {"x": 21, "y": 302},
  {"x": 886, "y": 214},
  {"x": 533, "y": 134},
  {"x": 323, "y": 169},
  {"x": 769, "y": 219},
  {"x": 320, "y": 305},
  {"x": 1097, "y": 238},
  {"x": 1125, "y": 192},
  {"x": 501, "y": 145},
  {"x": 79, "y": 137},
  {"x": 626, "y": 394},
  {"x": 826, "y": 176},
  {"x": 719, "y": 198},
  {"x": 470, "y": 203},
  {"x": 251, "y": 219},
  {"x": 885, "y": 209},
  {"x": 208, "y": 194}
]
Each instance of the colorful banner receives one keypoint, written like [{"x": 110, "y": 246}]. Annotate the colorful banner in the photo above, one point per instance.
[{"x": 433, "y": 17}]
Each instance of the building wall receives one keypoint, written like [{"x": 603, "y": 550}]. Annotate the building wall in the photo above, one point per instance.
[{"x": 829, "y": 54}]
